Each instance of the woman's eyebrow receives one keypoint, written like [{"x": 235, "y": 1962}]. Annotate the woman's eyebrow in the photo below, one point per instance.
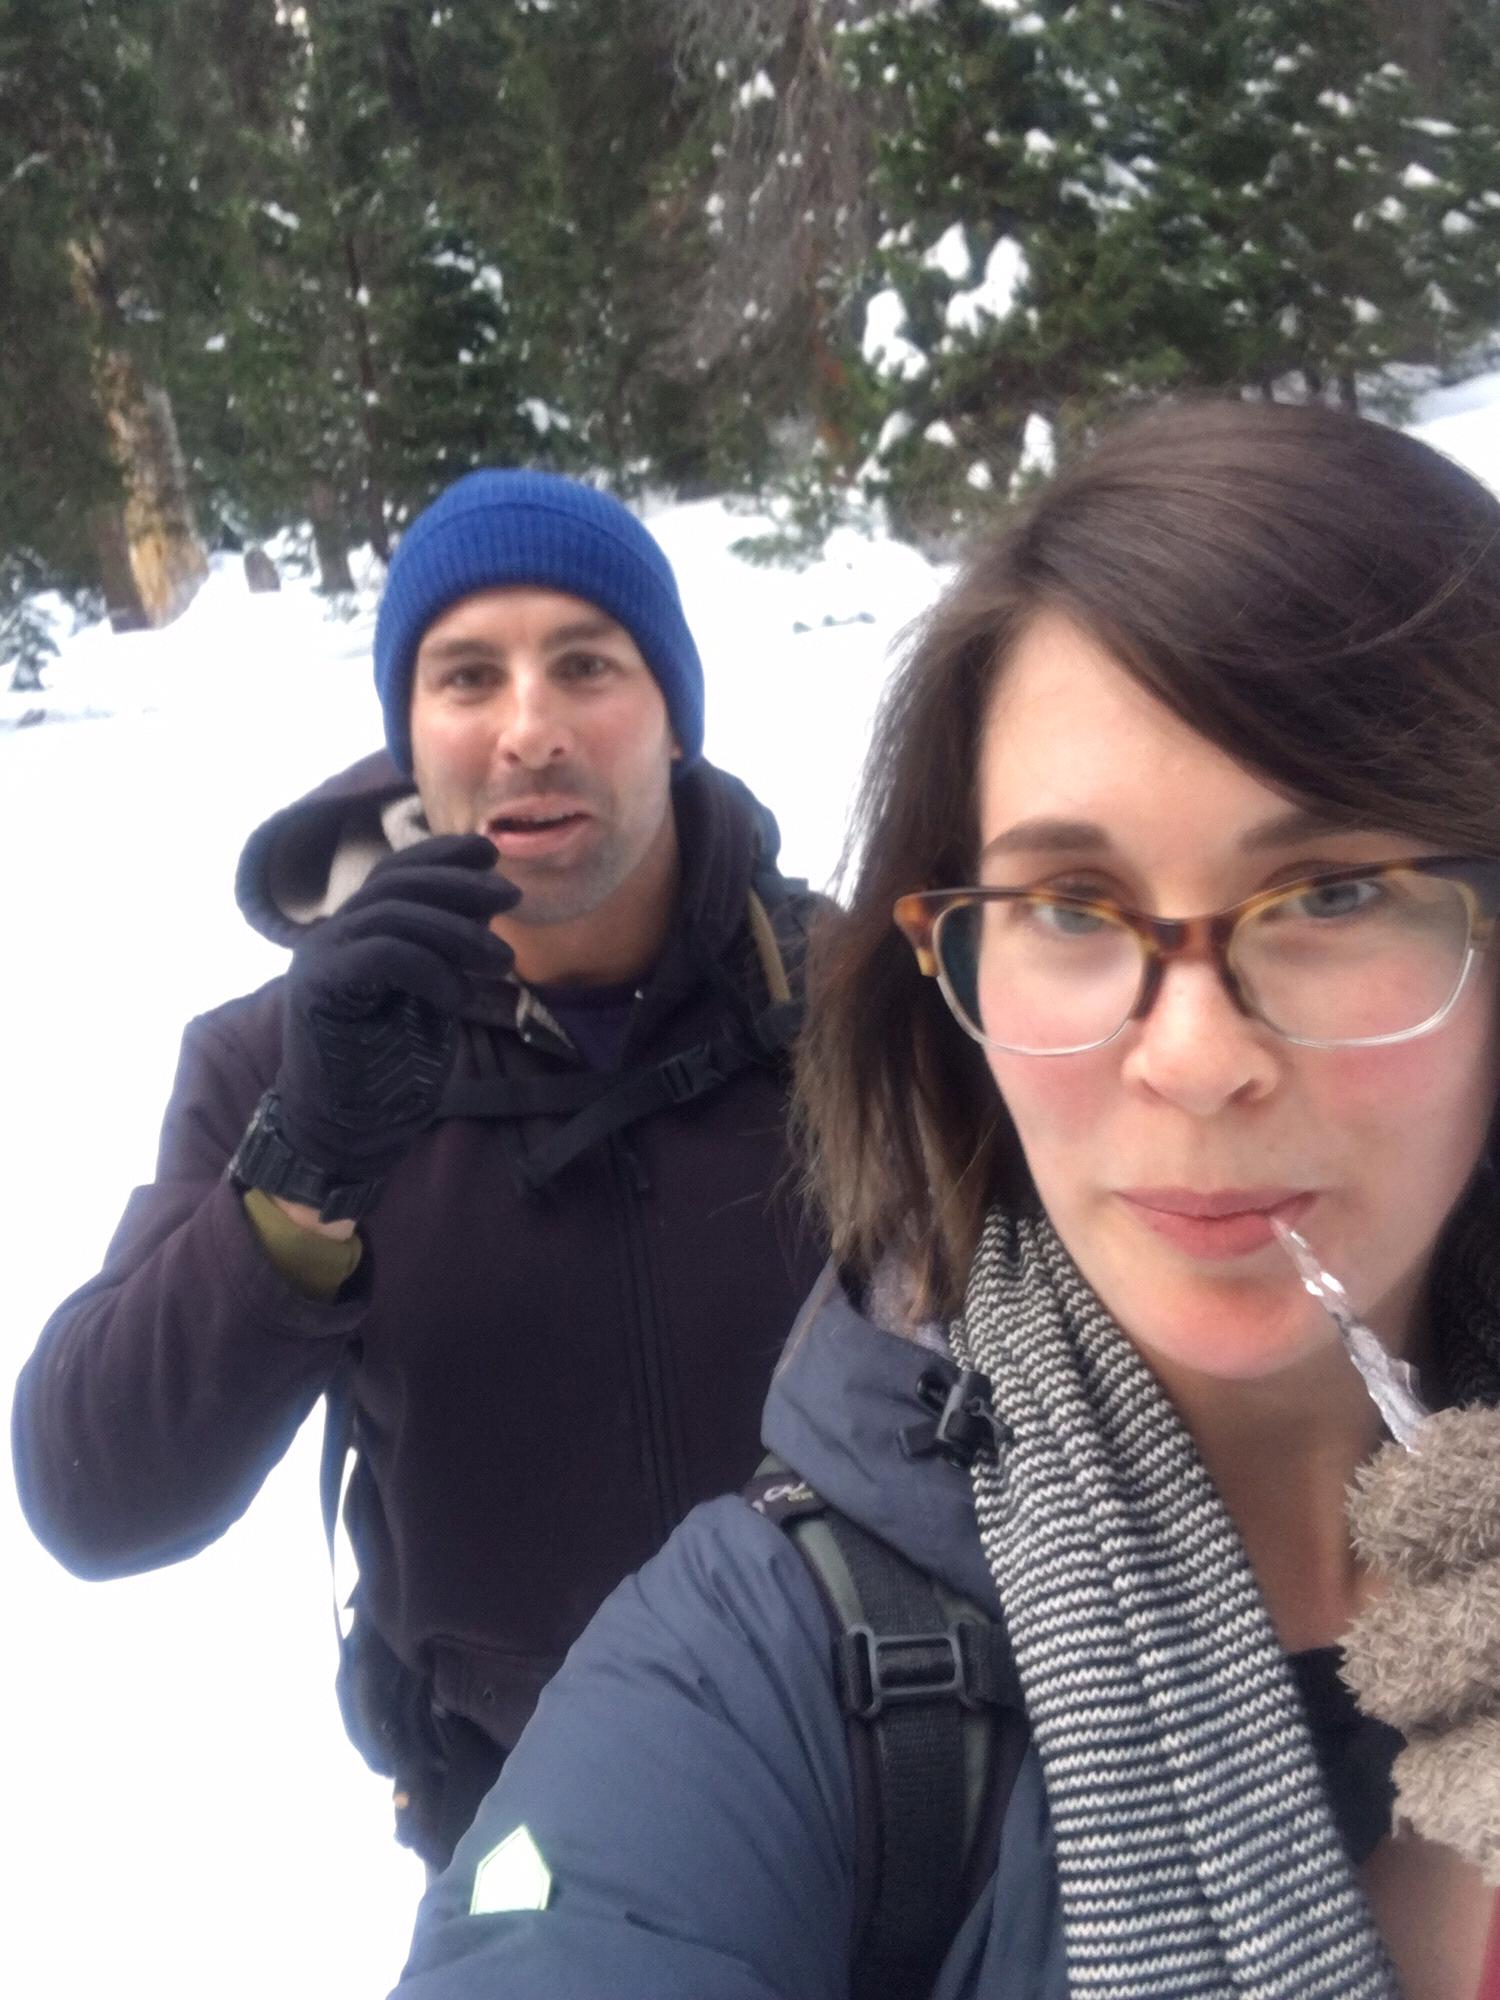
[
  {"x": 1047, "y": 836},
  {"x": 1300, "y": 823},
  {"x": 1071, "y": 836}
]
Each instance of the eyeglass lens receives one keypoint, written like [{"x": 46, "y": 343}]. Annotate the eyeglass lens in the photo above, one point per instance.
[{"x": 1342, "y": 962}]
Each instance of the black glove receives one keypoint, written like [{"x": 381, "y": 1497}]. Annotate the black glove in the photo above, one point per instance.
[{"x": 370, "y": 1022}]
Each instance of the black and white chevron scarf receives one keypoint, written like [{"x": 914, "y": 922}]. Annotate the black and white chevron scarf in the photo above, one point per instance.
[{"x": 1197, "y": 1855}]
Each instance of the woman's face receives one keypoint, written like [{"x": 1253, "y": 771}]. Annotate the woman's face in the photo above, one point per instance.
[{"x": 1087, "y": 783}]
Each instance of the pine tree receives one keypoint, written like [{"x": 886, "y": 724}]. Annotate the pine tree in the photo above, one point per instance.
[
  {"x": 100, "y": 222},
  {"x": 1088, "y": 203},
  {"x": 1463, "y": 265}
]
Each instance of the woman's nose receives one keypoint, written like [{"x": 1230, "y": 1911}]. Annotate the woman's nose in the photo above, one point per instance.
[{"x": 1195, "y": 1048}]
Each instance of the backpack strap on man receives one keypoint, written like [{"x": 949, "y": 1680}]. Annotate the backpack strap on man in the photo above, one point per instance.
[
  {"x": 597, "y": 1103},
  {"x": 923, "y": 1677}
]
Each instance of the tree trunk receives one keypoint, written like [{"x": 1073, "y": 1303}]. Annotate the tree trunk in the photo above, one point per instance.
[
  {"x": 165, "y": 552},
  {"x": 398, "y": 56},
  {"x": 166, "y": 558},
  {"x": 369, "y": 399},
  {"x": 329, "y": 540},
  {"x": 122, "y": 599},
  {"x": 1414, "y": 33}
]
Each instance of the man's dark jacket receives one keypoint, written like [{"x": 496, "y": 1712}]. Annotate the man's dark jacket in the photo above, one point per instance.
[{"x": 543, "y": 1383}]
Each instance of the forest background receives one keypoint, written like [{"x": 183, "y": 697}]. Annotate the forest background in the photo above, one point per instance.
[{"x": 283, "y": 271}]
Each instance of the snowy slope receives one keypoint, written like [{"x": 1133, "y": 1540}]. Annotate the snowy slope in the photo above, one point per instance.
[{"x": 186, "y": 1819}]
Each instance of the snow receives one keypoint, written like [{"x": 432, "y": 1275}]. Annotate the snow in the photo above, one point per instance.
[
  {"x": 885, "y": 345},
  {"x": 950, "y": 254},
  {"x": 897, "y": 426},
  {"x": 190, "y": 1818},
  {"x": 542, "y": 417},
  {"x": 281, "y": 215},
  {"x": 1038, "y": 447},
  {"x": 760, "y": 88},
  {"x": 1417, "y": 176},
  {"x": 1463, "y": 420},
  {"x": 994, "y": 297}
]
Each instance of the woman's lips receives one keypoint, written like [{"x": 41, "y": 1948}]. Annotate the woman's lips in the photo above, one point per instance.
[{"x": 1231, "y": 1223}]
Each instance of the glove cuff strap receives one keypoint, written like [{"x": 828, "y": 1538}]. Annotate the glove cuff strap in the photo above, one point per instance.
[{"x": 264, "y": 1159}]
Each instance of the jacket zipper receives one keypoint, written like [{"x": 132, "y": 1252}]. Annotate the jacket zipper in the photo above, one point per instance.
[{"x": 648, "y": 1346}]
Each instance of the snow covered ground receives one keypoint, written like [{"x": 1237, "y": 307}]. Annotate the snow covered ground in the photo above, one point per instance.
[{"x": 184, "y": 1816}]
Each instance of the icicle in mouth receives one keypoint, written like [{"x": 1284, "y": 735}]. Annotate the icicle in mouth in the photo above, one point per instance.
[{"x": 1392, "y": 1383}]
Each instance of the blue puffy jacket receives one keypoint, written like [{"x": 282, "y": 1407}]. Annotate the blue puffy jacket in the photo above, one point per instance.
[{"x": 686, "y": 1778}]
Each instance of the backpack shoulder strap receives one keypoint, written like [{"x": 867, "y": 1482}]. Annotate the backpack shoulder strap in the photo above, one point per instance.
[
  {"x": 783, "y": 911},
  {"x": 936, "y": 1732},
  {"x": 596, "y": 1103}
]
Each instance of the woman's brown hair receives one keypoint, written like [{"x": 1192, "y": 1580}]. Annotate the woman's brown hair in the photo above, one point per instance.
[{"x": 1316, "y": 594}]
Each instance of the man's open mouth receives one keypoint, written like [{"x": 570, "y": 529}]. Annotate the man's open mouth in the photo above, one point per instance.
[
  {"x": 531, "y": 822},
  {"x": 534, "y": 830}
]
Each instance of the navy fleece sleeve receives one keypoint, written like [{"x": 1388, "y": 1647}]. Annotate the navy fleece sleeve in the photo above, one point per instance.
[
  {"x": 686, "y": 1780},
  {"x": 163, "y": 1391}
]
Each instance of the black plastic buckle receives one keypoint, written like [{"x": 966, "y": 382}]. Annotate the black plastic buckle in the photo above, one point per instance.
[
  {"x": 967, "y": 1427},
  {"x": 687, "y": 1075},
  {"x": 880, "y": 1671}
]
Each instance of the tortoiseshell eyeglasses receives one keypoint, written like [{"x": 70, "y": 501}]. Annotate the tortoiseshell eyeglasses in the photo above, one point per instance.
[{"x": 1348, "y": 958}]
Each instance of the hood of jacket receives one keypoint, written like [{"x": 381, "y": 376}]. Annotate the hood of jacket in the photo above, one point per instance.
[
  {"x": 840, "y": 1407},
  {"x": 307, "y": 859}
]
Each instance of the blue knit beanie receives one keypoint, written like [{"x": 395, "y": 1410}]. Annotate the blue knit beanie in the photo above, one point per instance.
[{"x": 495, "y": 528}]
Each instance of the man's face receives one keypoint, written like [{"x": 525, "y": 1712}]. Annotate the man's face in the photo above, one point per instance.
[{"x": 536, "y": 722}]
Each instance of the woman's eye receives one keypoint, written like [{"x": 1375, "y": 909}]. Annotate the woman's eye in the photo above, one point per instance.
[
  {"x": 1066, "y": 920},
  {"x": 1333, "y": 899}
]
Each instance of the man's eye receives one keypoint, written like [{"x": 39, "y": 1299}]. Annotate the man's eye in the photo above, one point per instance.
[{"x": 585, "y": 666}]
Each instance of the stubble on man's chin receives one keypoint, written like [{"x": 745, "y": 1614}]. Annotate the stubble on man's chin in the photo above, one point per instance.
[{"x": 565, "y": 898}]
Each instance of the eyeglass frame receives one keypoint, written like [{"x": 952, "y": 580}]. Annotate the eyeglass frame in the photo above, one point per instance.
[{"x": 1162, "y": 939}]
